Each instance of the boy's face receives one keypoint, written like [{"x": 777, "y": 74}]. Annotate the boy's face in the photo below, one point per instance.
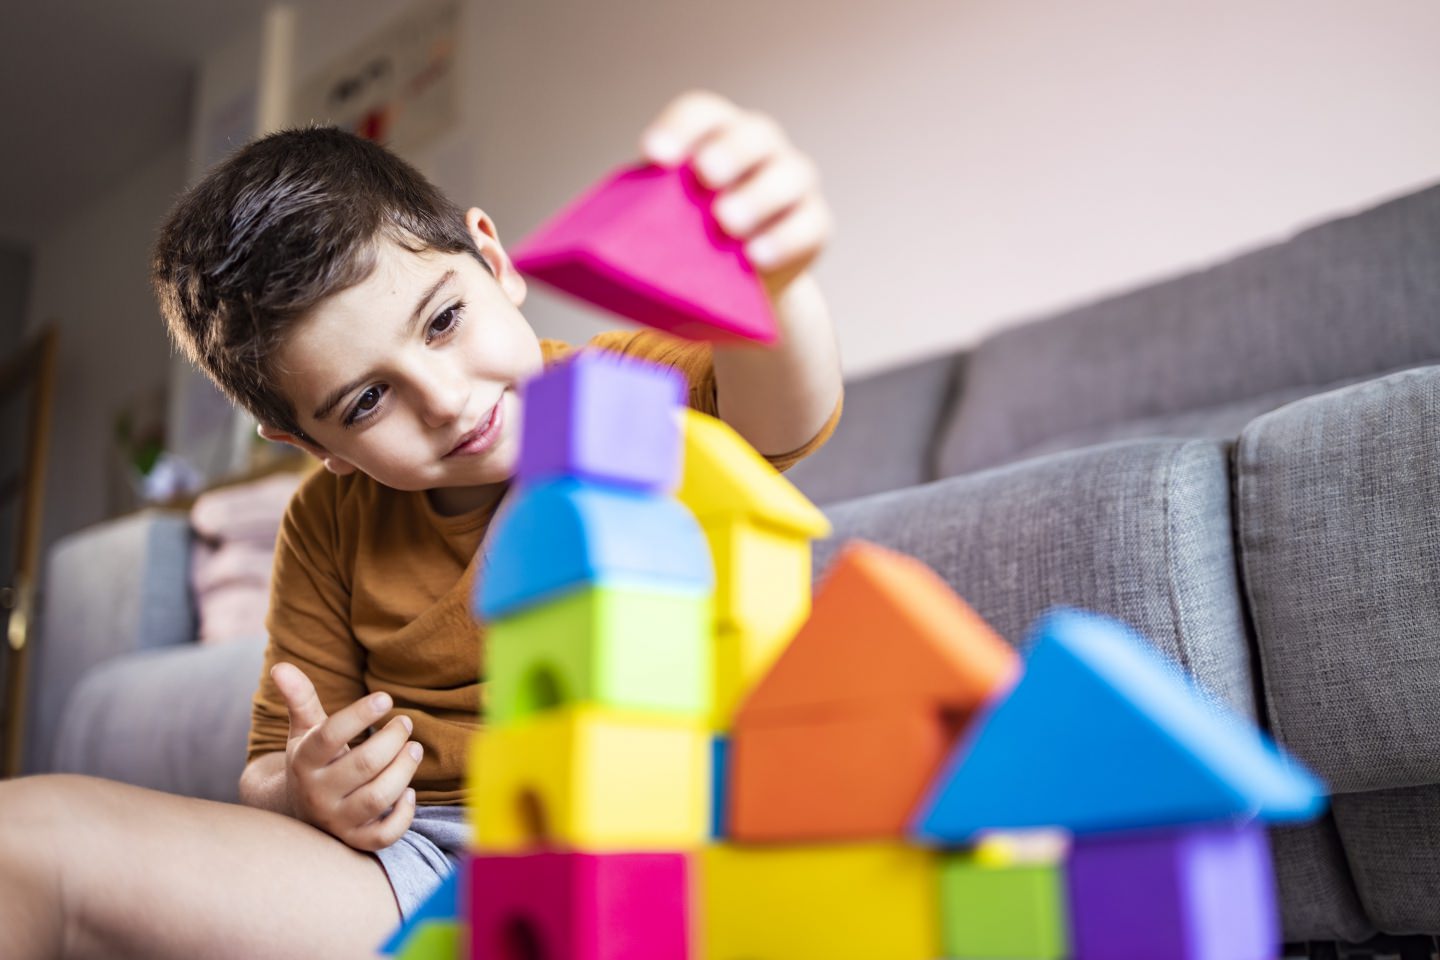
[{"x": 391, "y": 375}]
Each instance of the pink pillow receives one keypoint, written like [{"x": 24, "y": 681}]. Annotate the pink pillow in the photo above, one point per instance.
[{"x": 235, "y": 529}]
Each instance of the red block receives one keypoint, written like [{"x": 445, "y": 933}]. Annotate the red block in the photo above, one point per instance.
[{"x": 579, "y": 906}]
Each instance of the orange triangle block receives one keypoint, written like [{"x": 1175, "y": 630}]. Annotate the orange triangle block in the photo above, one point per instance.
[
  {"x": 644, "y": 244},
  {"x": 884, "y": 630}
]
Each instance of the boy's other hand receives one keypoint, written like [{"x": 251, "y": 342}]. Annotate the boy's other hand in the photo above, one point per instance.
[
  {"x": 769, "y": 192},
  {"x": 346, "y": 792}
]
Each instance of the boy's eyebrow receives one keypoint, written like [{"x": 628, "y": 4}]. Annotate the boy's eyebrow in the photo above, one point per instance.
[{"x": 335, "y": 396}]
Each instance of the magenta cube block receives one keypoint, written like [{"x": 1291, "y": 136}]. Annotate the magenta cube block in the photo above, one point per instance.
[
  {"x": 1196, "y": 893},
  {"x": 579, "y": 906},
  {"x": 603, "y": 417},
  {"x": 644, "y": 243}
]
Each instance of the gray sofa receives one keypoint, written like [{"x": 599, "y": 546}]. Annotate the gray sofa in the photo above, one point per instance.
[{"x": 1243, "y": 462}]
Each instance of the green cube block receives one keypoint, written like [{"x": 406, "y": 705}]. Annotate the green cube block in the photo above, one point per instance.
[
  {"x": 436, "y": 940},
  {"x": 643, "y": 648},
  {"x": 1011, "y": 912}
]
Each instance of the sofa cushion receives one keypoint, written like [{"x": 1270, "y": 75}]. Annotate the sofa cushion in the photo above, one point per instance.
[
  {"x": 1309, "y": 858},
  {"x": 1336, "y": 499},
  {"x": 109, "y": 589},
  {"x": 173, "y": 720},
  {"x": 1138, "y": 530},
  {"x": 885, "y": 437},
  {"x": 1390, "y": 839},
  {"x": 1351, "y": 297}
]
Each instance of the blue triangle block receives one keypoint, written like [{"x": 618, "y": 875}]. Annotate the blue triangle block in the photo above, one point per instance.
[
  {"x": 443, "y": 904},
  {"x": 1100, "y": 734},
  {"x": 562, "y": 534}
]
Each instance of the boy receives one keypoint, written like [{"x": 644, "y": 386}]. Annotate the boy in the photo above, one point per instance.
[{"x": 335, "y": 294}]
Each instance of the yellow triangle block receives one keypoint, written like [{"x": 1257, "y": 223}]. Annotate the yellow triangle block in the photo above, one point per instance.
[{"x": 725, "y": 477}]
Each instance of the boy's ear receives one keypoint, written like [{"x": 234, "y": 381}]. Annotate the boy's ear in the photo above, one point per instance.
[
  {"x": 487, "y": 241},
  {"x": 332, "y": 463}
]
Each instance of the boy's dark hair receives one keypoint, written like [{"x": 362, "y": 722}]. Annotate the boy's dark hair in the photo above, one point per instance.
[{"x": 280, "y": 225}]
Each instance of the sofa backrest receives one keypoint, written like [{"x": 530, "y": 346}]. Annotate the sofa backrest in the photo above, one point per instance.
[
  {"x": 1351, "y": 298},
  {"x": 886, "y": 436}
]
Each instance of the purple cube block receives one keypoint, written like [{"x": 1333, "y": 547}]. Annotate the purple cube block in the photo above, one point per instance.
[
  {"x": 1194, "y": 893},
  {"x": 579, "y": 906},
  {"x": 603, "y": 417}
]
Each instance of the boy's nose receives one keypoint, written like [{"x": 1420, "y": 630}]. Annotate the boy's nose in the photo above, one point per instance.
[{"x": 442, "y": 399}]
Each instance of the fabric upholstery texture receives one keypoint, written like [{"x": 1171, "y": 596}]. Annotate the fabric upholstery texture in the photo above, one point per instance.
[
  {"x": 885, "y": 437},
  {"x": 1353, "y": 296},
  {"x": 1391, "y": 838},
  {"x": 121, "y": 719},
  {"x": 1311, "y": 866},
  {"x": 108, "y": 590},
  {"x": 1221, "y": 422},
  {"x": 1137, "y": 530},
  {"x": 1340, "y": 538}
]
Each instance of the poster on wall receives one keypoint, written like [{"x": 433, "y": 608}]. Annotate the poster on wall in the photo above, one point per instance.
[{"x": 397, "y": 87}]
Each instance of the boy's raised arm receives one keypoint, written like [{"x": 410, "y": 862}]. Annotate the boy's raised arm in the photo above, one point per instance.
[{"x": 778, "y": 397}]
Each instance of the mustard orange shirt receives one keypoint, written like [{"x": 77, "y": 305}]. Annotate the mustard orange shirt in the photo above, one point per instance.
[{"x": 371, "y": 591}]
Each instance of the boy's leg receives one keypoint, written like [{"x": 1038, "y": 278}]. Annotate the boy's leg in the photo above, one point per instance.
[{"x": 95, "y": 868}]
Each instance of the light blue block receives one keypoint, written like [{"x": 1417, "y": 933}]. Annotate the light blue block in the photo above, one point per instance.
[
  {"x": 1100, "y": 735},
  {"x": 566, "y": 533},
  {"x": 443, "y": 904},
  {"x": 719, "y": 786}
]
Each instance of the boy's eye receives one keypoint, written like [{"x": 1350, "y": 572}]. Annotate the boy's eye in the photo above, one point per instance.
[
  {"x": 367, "y": 402},
  {"x": 446, "y": 322},
  {"x": 368, "y": 399}
]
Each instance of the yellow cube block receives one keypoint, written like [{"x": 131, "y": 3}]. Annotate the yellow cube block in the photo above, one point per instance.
[
  {"x": 842, "y": 902},
  {"x": 592, "y": 779}
]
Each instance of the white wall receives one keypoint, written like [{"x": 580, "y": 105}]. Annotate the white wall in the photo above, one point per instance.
[{"x": 987, "y": 160}]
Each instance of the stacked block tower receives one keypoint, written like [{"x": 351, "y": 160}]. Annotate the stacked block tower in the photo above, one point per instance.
[
  {"x": 685, "y": 758},
  {"x": 590, "y": 782}
]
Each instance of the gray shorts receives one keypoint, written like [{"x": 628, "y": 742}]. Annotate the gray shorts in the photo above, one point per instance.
[{"x": 428, "y": 852}]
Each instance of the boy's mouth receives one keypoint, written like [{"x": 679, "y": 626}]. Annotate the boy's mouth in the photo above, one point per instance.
[{"x": 483, "y": 436}]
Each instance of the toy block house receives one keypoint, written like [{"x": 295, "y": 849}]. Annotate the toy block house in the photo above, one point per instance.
[
  {"x": 841, "y": 738},
  {"x": 880, "y": 738},
  {"x": 759, "y": 528}
]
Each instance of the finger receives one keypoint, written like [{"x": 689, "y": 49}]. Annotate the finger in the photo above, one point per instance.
[
  {"x": 775, "y": 188},
  {"x": 737, "y": 148},
  {"x": 683, "y": 124},
  {"x": 306, "y": 711},
  {"x": 332, "y": 738},
  {"x": 380, "y": 833},
  {"x": 373, "y": 798},
  {"x": 367, "y": 761},
  {"x": 795, "y": 239}
]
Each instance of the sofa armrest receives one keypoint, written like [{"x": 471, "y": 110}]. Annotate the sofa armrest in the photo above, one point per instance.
[
  {"x": 108, "y": 590},
  {"x": 1139, "y": 530},
  {"x": 1336, "y": 514},
  {"x": 174, "y": 720}
]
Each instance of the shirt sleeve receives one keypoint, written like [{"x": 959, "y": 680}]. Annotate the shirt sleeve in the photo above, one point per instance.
[
  {"x": 309, "y": 616},
  {"x": 696, "y": 361}
]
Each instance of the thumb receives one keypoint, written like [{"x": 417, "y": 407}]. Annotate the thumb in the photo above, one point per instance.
[{"x": 306, "y": 711}]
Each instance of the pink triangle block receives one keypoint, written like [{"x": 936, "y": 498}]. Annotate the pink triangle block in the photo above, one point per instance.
[{"x": 644, "y": 244}]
